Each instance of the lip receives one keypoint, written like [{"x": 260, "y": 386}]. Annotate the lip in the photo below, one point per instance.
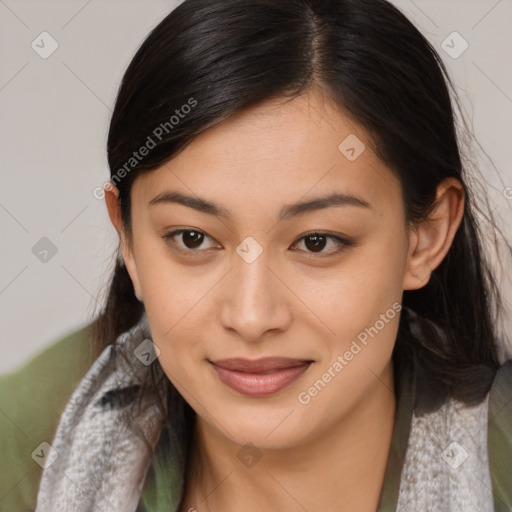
[{"x": 260, "y": 377}]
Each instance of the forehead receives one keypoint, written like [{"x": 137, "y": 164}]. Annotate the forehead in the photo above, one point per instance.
[{"x": 276, "y": 153}]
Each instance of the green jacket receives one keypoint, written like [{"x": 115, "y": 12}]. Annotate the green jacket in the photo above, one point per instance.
[
  {"x": 31, "y": 402},
  {"x": 33, "y": 398}
]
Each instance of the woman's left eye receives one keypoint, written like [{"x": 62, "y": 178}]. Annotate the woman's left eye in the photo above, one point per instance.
[{"x": 315, "y": 242}]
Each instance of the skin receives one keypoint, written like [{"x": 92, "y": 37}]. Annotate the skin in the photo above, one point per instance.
[{"x": 290, "y": 301}]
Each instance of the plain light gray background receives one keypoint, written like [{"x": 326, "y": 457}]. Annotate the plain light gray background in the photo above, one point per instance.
[{"x": 54, "y": 115}]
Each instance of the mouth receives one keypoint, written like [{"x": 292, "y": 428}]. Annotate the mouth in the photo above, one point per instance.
[{"x": 261, "y": 377}]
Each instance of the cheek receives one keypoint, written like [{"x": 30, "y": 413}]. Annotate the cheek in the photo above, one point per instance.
[
  {"x": 174, "y": 300},
  {"x": 181, "y": 344},
  {"x": 172, "y": 292},
  {"x": 362, "y": 305},
  {"x": 356, "y": 293}
]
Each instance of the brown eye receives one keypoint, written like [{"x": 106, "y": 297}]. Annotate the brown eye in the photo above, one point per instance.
[
  {"x": 316, "y": 242},
  {"x": 190, "y": 240}
]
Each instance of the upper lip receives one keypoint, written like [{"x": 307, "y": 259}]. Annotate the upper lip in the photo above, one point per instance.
[{"x": 259, "y": 365}]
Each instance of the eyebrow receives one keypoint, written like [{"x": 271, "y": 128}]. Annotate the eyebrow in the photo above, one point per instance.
[{"x": 287, "y": 211}]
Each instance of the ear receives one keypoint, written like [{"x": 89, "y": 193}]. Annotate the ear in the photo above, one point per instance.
[
  {"x": 430, "y": 240},
  {"x": 114, "y": 212}
]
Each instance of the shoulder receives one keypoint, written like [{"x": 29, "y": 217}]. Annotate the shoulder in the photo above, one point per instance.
[
  {"x": 463, "y": 451},
  {"x": 500, "y": 436},
  {"x": 32, "y": 399}
]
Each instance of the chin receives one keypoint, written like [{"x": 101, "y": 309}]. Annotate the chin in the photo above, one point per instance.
[{"x": 269, "y": 429}]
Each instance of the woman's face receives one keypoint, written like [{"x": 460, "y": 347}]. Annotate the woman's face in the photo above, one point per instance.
[{"x": 245, "y": 280}]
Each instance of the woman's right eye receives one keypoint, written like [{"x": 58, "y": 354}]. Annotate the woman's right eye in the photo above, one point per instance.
[{"x": 190, "y": 240}]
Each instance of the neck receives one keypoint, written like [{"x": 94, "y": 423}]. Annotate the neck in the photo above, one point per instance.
[{"x": 341, "y": 469}]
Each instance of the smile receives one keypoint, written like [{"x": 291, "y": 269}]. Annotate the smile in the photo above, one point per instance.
[{"x": 262, "y": 377}]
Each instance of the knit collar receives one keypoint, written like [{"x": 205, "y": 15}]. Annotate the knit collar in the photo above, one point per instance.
[{"x": 98, "y": 463}]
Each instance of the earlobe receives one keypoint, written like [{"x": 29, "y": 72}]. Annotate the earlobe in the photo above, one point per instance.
[
  {"x": 417, "y": 272},
  {"x": 131, "y": 267},
  {"x": 431, "y": 239}
]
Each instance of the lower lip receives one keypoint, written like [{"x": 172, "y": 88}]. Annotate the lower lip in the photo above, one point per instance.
[{"x": 258, "y": 384}]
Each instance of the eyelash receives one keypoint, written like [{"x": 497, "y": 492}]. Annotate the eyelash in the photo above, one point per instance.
[{"x": 344, "y": 243}]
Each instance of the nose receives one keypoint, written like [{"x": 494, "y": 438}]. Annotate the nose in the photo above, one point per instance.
[{"x": 256, "y": 303}]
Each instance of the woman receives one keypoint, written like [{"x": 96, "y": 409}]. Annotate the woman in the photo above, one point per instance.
[{"x": 302, "y": 312}]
